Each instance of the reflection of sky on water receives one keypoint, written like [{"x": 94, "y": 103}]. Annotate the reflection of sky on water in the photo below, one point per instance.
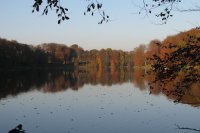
[{"x": 96, "y": 109}]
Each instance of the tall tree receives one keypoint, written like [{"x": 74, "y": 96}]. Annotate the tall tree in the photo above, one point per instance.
[{"x": 139, "y": 58}]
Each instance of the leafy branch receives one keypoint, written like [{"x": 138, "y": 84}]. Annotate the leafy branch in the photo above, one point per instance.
[
  {"x": 96, "y": 6},
  {"x": 62, "y": 12},
  {"x": 161, "y": 9}
]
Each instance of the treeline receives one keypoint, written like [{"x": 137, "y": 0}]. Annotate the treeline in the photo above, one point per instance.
[{"x": 14, "y": 54}]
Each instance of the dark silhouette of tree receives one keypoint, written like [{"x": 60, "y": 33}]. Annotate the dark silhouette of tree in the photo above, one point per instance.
[{"x": 14, "y": 54}]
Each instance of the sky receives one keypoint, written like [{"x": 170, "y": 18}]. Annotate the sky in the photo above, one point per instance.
[{"x": 126, "y": 31}]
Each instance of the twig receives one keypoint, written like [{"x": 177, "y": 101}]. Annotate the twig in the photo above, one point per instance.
[{"x": 187, "y": 128}]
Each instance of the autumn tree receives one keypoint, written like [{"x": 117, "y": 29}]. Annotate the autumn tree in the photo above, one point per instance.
[
  {"x": 179, "y": 62},
  {"x": 114, "y": 63},
  {"x": 14, "y": 54},
  {"x": 60, "y": 53},
  {"x": 139, "y": 58},
  {"x": 153, "y": 48},
  {"x": 93, "y": 58}
]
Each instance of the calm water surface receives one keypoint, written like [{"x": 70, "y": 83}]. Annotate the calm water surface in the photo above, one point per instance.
[{"x": 66, "y": 103}]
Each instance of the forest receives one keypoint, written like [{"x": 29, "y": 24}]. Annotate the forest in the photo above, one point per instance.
[
  {"x": 179, "y": 50},
  {"x": 171, "y": 66}
]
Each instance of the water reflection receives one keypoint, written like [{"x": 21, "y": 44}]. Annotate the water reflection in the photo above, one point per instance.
[
  {"x": 179, "y": 90},
  {"x": 15, "y": 82},
  {"x": 93, "y": 100}
]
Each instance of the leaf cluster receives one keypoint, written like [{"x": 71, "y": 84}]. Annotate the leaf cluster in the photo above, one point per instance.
[
  {"x": 162, "y": 9},
  {"x": 96, "y": 6},
  {"x": 63, "y": 13}
]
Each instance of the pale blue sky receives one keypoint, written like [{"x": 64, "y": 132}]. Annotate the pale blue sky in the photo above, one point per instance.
[{"x": 126, "y": 31}]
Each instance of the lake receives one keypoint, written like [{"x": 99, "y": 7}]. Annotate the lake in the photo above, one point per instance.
[{"x": 89, "y": 101}]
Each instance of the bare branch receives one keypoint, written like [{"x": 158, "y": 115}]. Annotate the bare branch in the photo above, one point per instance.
[
  {"x": 187, "y": 128},
  {"x": 188, "y": 10},
  {"x": 159, "y": 8}
]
